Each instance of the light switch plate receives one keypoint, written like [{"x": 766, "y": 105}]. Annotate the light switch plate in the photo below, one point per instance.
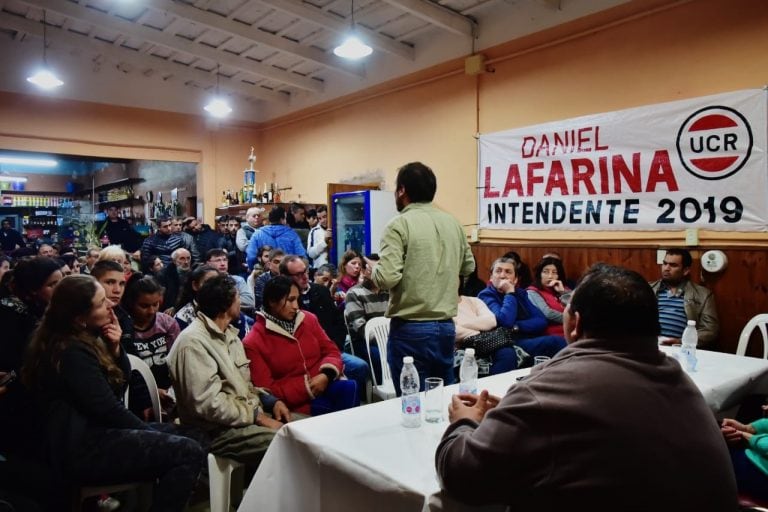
[
  {"x": 660, "y": 253},
  {"x": 474, "y": 236},
  {"x": 692, "y": 236}
]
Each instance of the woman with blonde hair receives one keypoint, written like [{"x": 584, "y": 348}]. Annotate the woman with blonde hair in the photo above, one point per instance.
[{"x": 116, "y": 253}]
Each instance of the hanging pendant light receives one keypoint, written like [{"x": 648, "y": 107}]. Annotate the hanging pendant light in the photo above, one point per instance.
[
  {"x": 218, "y": 106},
  {"x": 353, "y": 47},
  {"x": 44, "y": 78}
]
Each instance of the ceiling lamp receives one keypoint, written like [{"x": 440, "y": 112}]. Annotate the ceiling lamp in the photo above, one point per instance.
[
  {"x": 352, "y": 48},
  {"x": 32, "y": 162},
  {"x": 44, "y": 78},
  {"x": 218, "y": 106}
]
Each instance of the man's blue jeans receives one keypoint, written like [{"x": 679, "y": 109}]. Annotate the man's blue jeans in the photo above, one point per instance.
[
  {"x": 430, "y": 344},
  {"x": 356, "y": 369}
]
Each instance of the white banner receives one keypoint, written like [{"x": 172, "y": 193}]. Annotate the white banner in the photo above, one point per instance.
[{"x": 693, "y": 163}]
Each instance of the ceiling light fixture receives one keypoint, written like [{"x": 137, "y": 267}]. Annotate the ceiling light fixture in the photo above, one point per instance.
[
  {"x": 353, "y": 47},
  {"x": 32, "y": 162},
  {"x": 44, "y": 78},
  {"x": 218, "y": 106}
]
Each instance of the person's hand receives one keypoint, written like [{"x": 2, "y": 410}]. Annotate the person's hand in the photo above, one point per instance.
[
  {"x": 318, "y": 384},
  {"x": 166, "y": 400},
  {"x": 557, "y": 285},
  {"x": 265, "y": 421},
  {"x": 371, "y": 264},
  {"x": 112, "y": 332},
  {"x": 328, "y": 236},
  {"x": 671, "y": 341},
  {"x": 472, "y": 407},
  {"x": 506, "y": 286},
  {"x": 281, "y": 412},
  {"x": 734, "y": 432}
]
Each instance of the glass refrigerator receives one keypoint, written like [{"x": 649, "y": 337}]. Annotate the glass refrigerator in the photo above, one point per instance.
[{"x": 359, "y": 219}]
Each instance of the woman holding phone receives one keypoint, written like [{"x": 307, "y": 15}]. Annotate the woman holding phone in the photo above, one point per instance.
[{"x": 77, "y": 370}]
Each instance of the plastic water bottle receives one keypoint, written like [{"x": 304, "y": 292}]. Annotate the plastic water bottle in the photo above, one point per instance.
[
  {"x": 410, "y": 398},
  {"x": 468, "y": 373},
  {"x": 688, "y": 350}
]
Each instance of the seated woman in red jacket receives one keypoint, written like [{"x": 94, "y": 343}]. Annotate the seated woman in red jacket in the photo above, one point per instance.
[{"x": 293, "y": 357}]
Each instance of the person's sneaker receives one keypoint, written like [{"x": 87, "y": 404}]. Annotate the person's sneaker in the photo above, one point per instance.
[{"x": 107, "y": 503}]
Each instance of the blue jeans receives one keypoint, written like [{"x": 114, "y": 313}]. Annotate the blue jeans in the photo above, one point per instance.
[
  {"x": 430, "y": 344},
  {"x": 542, "y": 345},
  {"x": 749, "y": 479},
  {"x": 375, "y": 360},
  {"x": 357, "y": 370},
  {"x": 339, "y": 395},
  {"x": 505, "y": 358}
]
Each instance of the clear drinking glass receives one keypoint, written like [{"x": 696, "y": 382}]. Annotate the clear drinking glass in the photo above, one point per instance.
[{"x": 433, "y": 399}]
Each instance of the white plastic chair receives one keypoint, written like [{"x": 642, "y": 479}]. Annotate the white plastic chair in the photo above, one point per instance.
[
  {"x": 377, "y": 330},
  {"x": 348, "y": 339},
  {"x": 97, "y": 490},
  {"x": 220, "y": 481},
  {"x": 757, "y": 321}
]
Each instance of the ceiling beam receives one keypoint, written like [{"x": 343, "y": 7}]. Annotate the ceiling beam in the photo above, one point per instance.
[
  {"x": 437, "y": 15},
  {"x": 180, "y": 72},
  {"x": 253, "y": 34},
  {"x": 176, "y": 43},
  {"x": 340, "y": 25}
]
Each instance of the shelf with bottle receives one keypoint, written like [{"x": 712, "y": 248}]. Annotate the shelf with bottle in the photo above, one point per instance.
[
  {"x": 32, "y": 199},
  {"x": 117, "y": 202}
]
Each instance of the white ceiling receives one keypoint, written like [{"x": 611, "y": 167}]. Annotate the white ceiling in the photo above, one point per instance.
[{"x": 273, "y": 57}]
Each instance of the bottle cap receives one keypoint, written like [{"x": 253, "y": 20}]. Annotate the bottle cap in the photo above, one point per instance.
[
  {"x": 469, "y": 351},
  {"x": 692, "y": 323},
  {"x": 407, "y": 359}
]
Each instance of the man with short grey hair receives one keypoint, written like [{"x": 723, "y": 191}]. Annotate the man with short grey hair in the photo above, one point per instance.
[{"x": 252, "y": 223}]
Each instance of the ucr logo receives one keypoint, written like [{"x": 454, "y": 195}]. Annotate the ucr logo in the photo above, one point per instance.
[{"x": 714, "y": 142}]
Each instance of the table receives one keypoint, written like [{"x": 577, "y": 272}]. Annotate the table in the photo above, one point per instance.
[
  {"x": 363, "y": 459},
  {"x": 725, "y": 379}
]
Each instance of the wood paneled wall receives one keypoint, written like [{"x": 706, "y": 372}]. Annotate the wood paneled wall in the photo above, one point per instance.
[{"x": 741, "y": 290}]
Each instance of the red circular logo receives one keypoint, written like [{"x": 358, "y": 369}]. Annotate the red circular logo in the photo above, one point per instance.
[{"x": 714, "y": 142}]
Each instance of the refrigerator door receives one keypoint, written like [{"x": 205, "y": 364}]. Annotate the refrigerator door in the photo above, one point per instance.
[
  {"x": 359, "y": 219},
  {"x": 348, "y": 224}
]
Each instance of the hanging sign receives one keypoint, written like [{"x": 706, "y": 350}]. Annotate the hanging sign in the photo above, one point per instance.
[{"x": 693, "y": 163}]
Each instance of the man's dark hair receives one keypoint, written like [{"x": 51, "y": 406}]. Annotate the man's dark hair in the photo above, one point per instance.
[
  {"x": 295, "y": 207},
  {"x": 311, "y": 213},
  {"x": 163, "y": 218},
  {"x": 687, "y": 259},
  {"x": 102, "y": 267},
  {"x": 216, "y": 295},
  {"x": 274, "y": 253},
  {"x": 276, "y": 215},
  {"x": 615, "y": 302},
  {"x": 328, "y": 267},
  {"x": 322, "y": 208},
  {"x": 276, "y": 290},
  {"x": 418, "y": 181},
  {"x": 215, "y": 253}
]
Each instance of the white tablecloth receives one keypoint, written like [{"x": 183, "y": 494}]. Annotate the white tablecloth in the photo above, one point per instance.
[
  {"x": 724, "y": 379},
  {"x": 364, "y": 460}
]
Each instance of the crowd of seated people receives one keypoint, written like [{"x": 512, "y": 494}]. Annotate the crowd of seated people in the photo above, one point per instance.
[{"x": 234, "y": 367}]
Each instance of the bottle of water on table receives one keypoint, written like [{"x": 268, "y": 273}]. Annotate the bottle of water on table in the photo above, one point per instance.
[
  {"x": 688, "y": 351},
  {"x": 410, "y": 398},
  {"x": 468, "y": 373}
]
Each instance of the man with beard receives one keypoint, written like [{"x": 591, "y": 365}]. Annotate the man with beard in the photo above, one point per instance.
[
  {"x": 680, "y": 300},
  {"x": 423, "y": 252}
]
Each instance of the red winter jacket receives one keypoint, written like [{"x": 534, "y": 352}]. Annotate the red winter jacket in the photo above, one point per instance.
[{"x": 284, "y": 364}]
